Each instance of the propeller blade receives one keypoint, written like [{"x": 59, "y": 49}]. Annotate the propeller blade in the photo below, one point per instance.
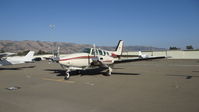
[{"x": 94, "y": 48}]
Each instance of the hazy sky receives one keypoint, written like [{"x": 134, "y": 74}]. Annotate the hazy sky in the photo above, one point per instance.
[{"x": 159, "y": 23}]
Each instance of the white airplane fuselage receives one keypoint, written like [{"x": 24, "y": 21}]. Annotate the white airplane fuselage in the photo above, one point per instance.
[
  {"x": 17, "y": 59},
  {"x": 81, "y": 61}
]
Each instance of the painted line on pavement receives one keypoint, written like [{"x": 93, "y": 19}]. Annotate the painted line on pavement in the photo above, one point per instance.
[{"x": 58, "y": 80}]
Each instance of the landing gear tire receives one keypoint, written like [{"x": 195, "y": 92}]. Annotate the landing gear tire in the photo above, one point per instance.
[
  {"x": 108, "y": 74},
  {"x": 67, "y": 76},
  {"x": 109, "y": 71}
]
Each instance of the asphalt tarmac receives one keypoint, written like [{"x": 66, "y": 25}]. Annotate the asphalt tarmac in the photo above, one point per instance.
[{"x": 144, "y": 86}]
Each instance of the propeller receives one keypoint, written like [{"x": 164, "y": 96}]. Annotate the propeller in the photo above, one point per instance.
[
  {"x": 96, "y": 57},
  {"x": 94, "y": 48},
  {"x": 56, "y": 55}
]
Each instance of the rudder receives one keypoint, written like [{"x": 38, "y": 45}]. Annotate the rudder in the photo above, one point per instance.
[
  {"x": 29, "y": 56},
  {"x": 119, "y": 47}
]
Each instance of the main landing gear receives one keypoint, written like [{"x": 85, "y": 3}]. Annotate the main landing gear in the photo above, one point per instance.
[{"x": 109, "y": 71}]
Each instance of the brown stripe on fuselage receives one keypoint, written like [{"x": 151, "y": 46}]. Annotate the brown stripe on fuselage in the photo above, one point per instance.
[{"x": 80, "y": 57}]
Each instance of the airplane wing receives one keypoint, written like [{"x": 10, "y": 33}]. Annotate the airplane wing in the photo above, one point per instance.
[
  {"x": 2, "y": 55},
  {"x": 4, "y": 62},
  {"x": 6, "y": 54},
  {"x": 137, "y": 59},
  {"x": 140, "y": 56},
  {"x": 128, "y": 56}
]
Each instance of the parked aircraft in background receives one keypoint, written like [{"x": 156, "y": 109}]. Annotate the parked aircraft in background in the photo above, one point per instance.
[
  {"x": 145, "y": 56},
  {"x": 6, "y": 54},
  {"x": 4, "y": 60},
  {"x": 43, "y": 57},
  {"x": 54, "y": 57}
]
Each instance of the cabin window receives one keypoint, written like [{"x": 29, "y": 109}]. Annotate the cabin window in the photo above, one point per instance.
[
  {"x": 97, "y": 52},
  {"x": 100, "y": 52},
  {"x": 107, "y": 53},
  {"x": 104, "y": 53},
  {"x": 93, "y": 52}
]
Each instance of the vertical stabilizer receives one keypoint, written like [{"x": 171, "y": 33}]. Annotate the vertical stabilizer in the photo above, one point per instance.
[
  {"x": 119, "y": 47},
  {"x": 29, "y": 56}
]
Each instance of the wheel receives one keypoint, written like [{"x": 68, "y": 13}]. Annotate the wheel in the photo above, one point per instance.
[
  {"x": 107, "y": 73},
  {"x": 67, "y": 76}
]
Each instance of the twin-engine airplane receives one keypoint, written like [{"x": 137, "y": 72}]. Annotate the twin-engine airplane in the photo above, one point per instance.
[
  {"x": 91, "y": 57},
  {"x": 145, "y": 56}
]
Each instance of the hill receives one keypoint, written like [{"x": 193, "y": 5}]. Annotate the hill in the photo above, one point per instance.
[{"x": 19, "y": 46}]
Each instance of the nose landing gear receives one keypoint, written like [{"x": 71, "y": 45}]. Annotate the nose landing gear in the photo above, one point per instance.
[{"x": 67, "y": 75}]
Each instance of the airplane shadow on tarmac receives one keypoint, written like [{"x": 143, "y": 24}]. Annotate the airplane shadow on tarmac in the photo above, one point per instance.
[
  {"x": 185, "y": 76},
  {"x": 88, "y": 72},
  {"x": 15, "y": 68}
]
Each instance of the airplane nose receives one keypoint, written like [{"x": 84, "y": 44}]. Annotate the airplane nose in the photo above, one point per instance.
[
  {"x": 60, "y": 62},
  {"x": 64, "y": 62}
]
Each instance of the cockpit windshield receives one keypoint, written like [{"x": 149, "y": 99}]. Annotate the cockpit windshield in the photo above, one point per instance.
[{"x": 87, "y": 50}]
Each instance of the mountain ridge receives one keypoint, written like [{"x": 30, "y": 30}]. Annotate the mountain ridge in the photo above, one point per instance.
[{"x": 65, "y": 47}]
